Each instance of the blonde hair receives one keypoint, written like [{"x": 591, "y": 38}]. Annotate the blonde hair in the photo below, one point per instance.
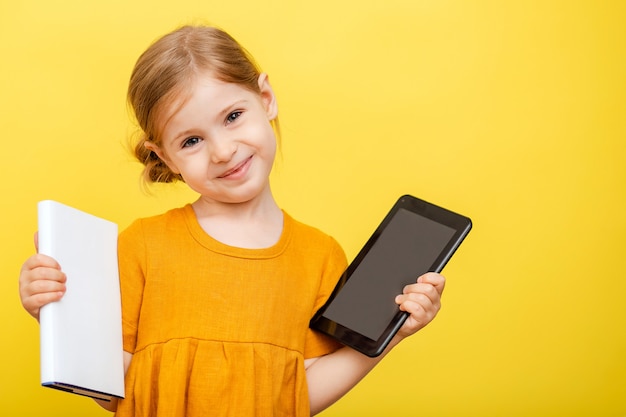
[{"x": 167, "y": 70}]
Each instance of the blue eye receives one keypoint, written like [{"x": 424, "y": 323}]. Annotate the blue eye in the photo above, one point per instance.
[
  {"x": 191, "y": 141},
  {"x": 233, "y": 116}
]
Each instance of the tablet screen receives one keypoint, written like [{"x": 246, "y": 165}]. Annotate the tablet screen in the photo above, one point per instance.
[{"x": 407, "y": 248}]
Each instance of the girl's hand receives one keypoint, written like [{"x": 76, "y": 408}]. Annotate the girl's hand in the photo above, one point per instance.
[
  {"x": 41, "y": 282},
  {"x": 422, "y": 301}
]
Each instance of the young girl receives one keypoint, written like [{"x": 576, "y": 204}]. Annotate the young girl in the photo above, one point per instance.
[{"x": 217, "y": 295}]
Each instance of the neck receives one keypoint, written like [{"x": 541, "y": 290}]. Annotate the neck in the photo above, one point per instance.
[
  {"x": 261, "y": 207},
  {"x": 252, "y": 224}
]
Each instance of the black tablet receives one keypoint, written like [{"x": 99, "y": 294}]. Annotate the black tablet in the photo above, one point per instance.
[{"x": 415, "y": 237}]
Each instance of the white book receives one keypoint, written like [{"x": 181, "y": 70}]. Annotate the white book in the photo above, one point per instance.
[{"x": 81, "y": 335}]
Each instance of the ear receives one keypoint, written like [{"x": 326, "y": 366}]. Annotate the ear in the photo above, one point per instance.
[
  {"x": 267, "y": 97},
  {"x": 151, "y": 146}
]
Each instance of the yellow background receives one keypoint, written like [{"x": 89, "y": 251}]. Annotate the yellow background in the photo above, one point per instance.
[{"x": 512, "y": 113}]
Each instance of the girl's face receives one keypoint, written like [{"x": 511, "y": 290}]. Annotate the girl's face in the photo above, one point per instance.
[{"x": 220, "y": 139}]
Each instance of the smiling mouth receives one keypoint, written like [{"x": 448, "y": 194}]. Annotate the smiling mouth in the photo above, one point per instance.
[{"x": 235, "y": 169}]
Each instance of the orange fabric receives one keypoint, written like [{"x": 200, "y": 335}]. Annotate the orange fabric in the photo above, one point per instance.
[{"x": 217, "y": 330}]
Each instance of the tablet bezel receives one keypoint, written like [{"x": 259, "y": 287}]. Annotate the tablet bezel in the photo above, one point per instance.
[{"x": 461, "y": 224}]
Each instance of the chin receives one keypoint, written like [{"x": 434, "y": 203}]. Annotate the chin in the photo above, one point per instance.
[{"x": 237, "y": 197}]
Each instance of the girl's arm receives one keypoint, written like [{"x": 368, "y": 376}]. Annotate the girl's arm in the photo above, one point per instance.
[{"x": 330, "y": 377}]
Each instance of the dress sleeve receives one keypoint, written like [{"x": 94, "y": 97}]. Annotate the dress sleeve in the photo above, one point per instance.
[
  {"x": 318, "y": 344},
  {"x": 131, "y": 259}
]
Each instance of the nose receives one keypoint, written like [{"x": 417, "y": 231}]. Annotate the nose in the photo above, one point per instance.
[{"x": 223, "y": 150}]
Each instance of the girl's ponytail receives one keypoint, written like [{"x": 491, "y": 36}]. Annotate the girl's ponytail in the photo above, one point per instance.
[{"x": 155, "y": 170}]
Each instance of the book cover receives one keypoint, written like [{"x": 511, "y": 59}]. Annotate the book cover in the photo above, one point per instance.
[{"x": 81, "y": 335}]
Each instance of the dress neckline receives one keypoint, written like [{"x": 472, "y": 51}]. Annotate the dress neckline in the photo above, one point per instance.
[{"x": 204, "y": 239}]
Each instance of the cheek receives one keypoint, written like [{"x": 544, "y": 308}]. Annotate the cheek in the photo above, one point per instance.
[
  {"x": 190, "y": 166},
  {"x": 269, "y": 141},
  {"x": 260, "y": 136},
  {"x": 269, "y": 155},
  {"x": 273, "y": 146}
]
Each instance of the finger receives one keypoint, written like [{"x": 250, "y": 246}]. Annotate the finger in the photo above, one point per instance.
[
  {"x": 435, "y": 279},
  {"x": 422, "y": 310},
  {"x": 38, "y": 293},
  {"x": 47, "y": 274},
  {"x": 34, "y": 303},
  {"x": 419, "y": 312},
  {"x": 32, "y": 293},
  {"x": 414, "y": 302},
  {"x": 40, "y": 260},
  {"x": 42, "y": 286},
  {"x": 418, "y": 317},
  {"x": 36, "y": 240},
  {"x": 41, "y": 299},
  {"x": 428, "y": 290},
  {"x": 40, "y": 279}
]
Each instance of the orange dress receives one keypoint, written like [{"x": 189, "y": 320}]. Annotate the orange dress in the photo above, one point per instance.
[{"x": 216, "y": 330}]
